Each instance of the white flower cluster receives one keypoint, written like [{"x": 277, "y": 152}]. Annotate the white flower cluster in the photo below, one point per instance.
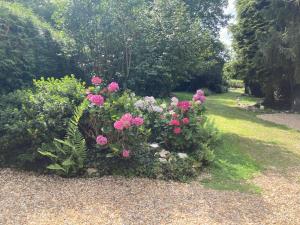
[
  {"x": 174, "y": 101},
  {"x": 149, "y": 104}
]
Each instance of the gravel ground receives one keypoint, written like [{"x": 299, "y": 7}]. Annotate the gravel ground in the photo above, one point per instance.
[
  {"x": 27, "y": 198},
  {"x": 290, "y": 120}
]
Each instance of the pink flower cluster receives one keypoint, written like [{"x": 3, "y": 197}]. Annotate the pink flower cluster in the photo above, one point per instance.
[
  {"x": 177, "y": 130},
  {"x": 176, "y": 123},
  {"x": 184, "y": 105},
  {"x": 126, "y": 121},
  {"x": 96, "y": 80},
  {"x": 126, "y": 153},
  {"x": 101, "y": 140},
  {"x": 96, "y": 99},
  {"x": 185, "y": 120},
  {"x": 113, "y": 87},
  {"x": 199, "y": 96}
]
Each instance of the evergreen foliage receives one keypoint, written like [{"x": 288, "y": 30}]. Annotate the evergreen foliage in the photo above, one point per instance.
[{"x": 267, "y": 50}]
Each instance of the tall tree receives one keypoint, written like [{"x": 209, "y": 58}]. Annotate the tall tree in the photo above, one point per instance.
[
  {"x": 280, "y": 46},
  {"x": 268, "y": 52}
]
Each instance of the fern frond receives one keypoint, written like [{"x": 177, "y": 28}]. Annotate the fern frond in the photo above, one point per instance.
[{"x": 73, "y": 147}]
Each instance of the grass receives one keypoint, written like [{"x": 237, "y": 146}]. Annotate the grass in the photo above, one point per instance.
[{"x": 249, "y": 145}]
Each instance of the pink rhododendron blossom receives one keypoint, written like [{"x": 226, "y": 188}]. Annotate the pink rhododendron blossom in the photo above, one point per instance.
[
  {"x": 96, "y": 99},
  {"x": 202, "y": 98},
  {"x": 113, "y": 87},
  {"x": 174, "y": 123},
  {"x": 101, "y": 140},
  {"x": 196, "y": 97},
  {"x": 184, "y": 105},
  {"x": 89, "y": 96},
  {"x": 125, "y": 153},
  {"x": 138, "y": 121},
  {"x": 199, "y": 96},
  {"x": 200, "y": 92},
  {"x": 177, "y": 130},
  {"x": 126, "y": 120},
  {"x": 96, "y": 80},
  {"x": 185, "y": 120},
  {"x": 118, "y": 125},
  {"x": 127, "y": 117}
]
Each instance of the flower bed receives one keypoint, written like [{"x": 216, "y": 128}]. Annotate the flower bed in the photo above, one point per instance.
[{"x": 129, "y": 135}]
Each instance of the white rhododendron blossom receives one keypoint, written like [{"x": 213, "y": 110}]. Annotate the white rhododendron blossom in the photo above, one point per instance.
[
  {"x": 139, "y": 104},
  {"x": 157, "y": 109},
  {"x": 150, "y": 100},
  {"x": 174, "y": 101},
  {"x": 148, "y": 104}
]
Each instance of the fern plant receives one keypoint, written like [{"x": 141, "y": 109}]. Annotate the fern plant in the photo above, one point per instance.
[{"x": 68, "y": 155}]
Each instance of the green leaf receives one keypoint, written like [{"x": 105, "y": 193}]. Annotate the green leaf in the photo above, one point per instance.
[
  {"x": 48, "y": 154},
  {"x": 110, "y": 155},
  {"x": 67, "y": 143},
  {"x": 68, "y": 163},
  {"x": 56, "y": 167}
]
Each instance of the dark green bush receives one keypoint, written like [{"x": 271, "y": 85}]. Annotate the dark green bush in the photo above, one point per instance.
[{"x": 29, "y": 118}]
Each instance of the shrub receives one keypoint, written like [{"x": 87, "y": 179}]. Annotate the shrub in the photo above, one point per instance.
[
  {"x": 184, "y": 128},
  {"x": 187, "y": 139},
  {"x": 32, "y": 117}
]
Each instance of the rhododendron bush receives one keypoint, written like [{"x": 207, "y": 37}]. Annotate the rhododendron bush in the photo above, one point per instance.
[{"x": 127, "y": 134}]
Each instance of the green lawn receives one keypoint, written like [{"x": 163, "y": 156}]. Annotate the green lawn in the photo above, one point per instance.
[{"x": 249, "y": 145}]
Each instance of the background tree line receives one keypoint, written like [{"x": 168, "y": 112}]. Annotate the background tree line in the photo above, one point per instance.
[
  {"x": 267, "y": 50},
  {"x": 151, "y": 47}
]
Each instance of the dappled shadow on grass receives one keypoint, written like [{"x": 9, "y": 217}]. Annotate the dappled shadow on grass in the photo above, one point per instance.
[
  {"x": 239, "y": 159},
  {"x": 249, "y": 146},
  {"x": 216, "y": 107},
  {"x": 233, "y": 113}
]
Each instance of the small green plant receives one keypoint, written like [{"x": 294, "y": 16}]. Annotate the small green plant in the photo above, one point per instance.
[{"x": 68, "y": 155}]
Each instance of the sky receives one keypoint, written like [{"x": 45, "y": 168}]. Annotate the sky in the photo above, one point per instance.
[{"x": 225, "y": 35}]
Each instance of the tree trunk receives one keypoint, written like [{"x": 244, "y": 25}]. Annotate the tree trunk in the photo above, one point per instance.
[
  {"x": 296, "y": 90},
  {"x": 296, "y": 98}
]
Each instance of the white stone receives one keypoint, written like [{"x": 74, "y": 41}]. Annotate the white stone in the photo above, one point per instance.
[{"x": 91, "y": 171}]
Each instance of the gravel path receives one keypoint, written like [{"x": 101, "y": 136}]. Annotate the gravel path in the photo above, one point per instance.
[
  {"x": 26, "y": 198},
  {"x": 290, "y": 120}
]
